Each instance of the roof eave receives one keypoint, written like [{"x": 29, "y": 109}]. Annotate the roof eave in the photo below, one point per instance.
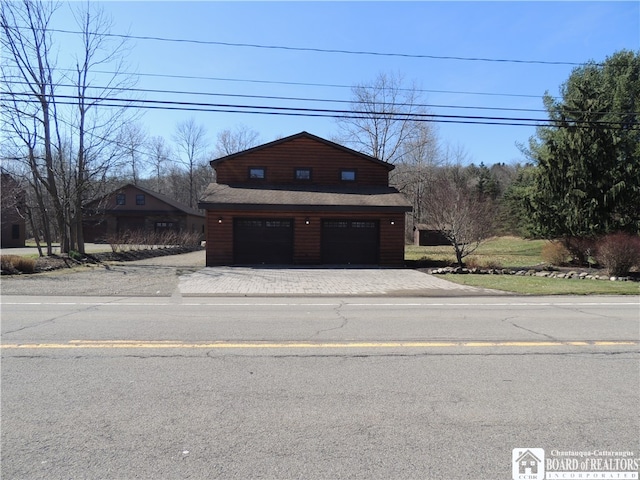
[{"x": 260, "y": 207}]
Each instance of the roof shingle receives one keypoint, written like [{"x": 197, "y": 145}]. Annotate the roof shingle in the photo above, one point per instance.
[{"x": 221, "y": 196}]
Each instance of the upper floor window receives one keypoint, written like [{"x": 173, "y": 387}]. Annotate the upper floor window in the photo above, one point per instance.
[
  {"x": 140, "y": 199},
  {"x": 303, "y": 174},
  {"x": 256, "y": 173},
  {"x": 121, "y": 199},
  {"x": 348, "y": 175}
]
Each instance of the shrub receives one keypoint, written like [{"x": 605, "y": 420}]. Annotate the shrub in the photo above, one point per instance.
[
  {"x": 16, "y": 263},
  {"x": 555, "y": 253},
  {"x": 473, "y": 262},
  {"x": 115, "y": 241},
  {"x": 581, "y": 249},
  {"x": 138, "y": 240},
  {"x": 484, "y": 264},
  {"x": 618, "y": 253},
  {"x": 6, "y": 264}
]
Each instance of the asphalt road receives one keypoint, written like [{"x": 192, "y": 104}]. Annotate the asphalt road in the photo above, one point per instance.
[{"x": 317, "y": 388}]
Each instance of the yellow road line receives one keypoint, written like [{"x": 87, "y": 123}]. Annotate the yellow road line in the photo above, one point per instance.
[{"x": 132, "y": 344}]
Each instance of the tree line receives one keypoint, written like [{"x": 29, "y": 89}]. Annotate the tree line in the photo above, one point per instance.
[
  {"x": 63, "y": 139},
  {"x": 579, "y": 178}
]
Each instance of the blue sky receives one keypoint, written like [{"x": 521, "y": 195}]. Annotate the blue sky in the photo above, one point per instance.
[{"x": 541, "y": 31}]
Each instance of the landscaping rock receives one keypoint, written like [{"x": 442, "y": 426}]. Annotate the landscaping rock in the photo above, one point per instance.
[{"x": 543, "y": 272}]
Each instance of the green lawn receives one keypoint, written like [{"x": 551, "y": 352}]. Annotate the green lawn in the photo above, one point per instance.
[
  {"x": 505, "y": 252},
  {"x": 546, "y": 286},
  {"x": 513, "y": 253}
]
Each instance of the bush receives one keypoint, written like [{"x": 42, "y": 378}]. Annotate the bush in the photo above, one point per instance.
[
  {"x": 618, "y": 253},
  {"x": 555, "y": 253},
  {"x": 16, "y": 263},
  {"x": 482, "y": 264},
  {"x": 581, "y": 249},
  {"x": 138, "y": 240}
]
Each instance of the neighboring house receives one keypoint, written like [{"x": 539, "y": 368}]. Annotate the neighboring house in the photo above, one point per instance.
[
  {"x": 303, "y": 200},
  {"x": 426, "y": 235},
  {"x": 13, "y": 232},
  {"x": 134, "y": 208}
]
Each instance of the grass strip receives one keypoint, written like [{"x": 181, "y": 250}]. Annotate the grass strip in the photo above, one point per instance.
[{"x": 545, "y": 286}]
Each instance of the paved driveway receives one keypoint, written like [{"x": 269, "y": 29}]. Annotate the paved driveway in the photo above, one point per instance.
[
  {"x": 259, "y": 281},
  {"x": 186, "y": 275},
  {"x": 308, "y": 281}
]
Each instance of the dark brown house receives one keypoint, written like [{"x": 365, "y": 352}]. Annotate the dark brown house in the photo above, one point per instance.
[
  {"x": 13, "y": 224},
  {"x": 135, "y": 208},
  {"x": 303, "y": 200}
]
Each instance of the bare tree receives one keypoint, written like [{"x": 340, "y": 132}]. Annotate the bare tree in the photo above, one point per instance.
[
  {"x": 415, "y": 170},
  {"x": 64, "y": 139},
  {"x": 159, "y": 154},
  {"x": 97, "y": 129},
  {"x": 236, "y": 140},
  {"x": 177, "y": 183},
  {"x": 458, "y": 211},
  {"x": 384, "y": 123},
  {"x": 133, "y": 140},
  {"x": 29, "y": 100},
  {"x": 191, "y": 142}
]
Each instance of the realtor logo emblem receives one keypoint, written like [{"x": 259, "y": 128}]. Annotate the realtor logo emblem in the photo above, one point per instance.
[{"x": 527, "y": 463}]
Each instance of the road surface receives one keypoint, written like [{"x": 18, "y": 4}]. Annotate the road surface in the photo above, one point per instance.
[{"x": 317, "y": 388}]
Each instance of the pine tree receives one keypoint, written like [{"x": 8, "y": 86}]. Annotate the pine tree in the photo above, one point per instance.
[{"x": 588, "y": 162}]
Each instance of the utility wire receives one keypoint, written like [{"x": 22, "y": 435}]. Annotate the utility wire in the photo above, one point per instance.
[
  {"x": 308, "y": 99},
  {"x": 324, "y": 50},
  {"x": 333, "y": 113},
  {"x": 307, "y": 84},
  {"x": 297, "y": 99}
]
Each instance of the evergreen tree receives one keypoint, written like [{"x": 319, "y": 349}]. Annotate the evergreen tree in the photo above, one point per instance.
[{"x": 588, "y": 162}]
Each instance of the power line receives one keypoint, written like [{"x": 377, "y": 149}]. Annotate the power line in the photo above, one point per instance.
[
  {"x": 326, "y": 50},
  {"x": 331, "y": 113},
  {"x": 280, "y": 98},
  {"x": 309, "y": 84},
  {"x": 311, "y": 99}
]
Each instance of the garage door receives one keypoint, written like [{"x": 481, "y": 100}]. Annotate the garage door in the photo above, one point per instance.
[
  {"x": 352, "y": 242},
  {"x": 262, "y": 241}
]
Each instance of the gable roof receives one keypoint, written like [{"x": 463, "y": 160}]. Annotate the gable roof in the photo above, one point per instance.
[
  {"x": 163, "y": 198},
  {"x": 308, "y": 135},
  {"x": 168, "y": 200}
]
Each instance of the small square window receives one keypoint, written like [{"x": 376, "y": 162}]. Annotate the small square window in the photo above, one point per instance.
[
  {"x": 348, "y": 175},
  {"x": 303, "y": 174},
  {"x": 140, "y": 199},
  {"x": 256, "y": 173},
  {"x": 121, "y": 199}
]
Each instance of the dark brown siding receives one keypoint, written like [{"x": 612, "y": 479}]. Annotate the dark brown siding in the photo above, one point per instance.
[
  {"x": 307, "y": 236},
  {"x": 219, "y": 238},
  {"x": 151, "y": 203},
  {"x": 13, "y": 224},
  {"x": 110, "y": 218},
  {"x": 280, "y": 162}
]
